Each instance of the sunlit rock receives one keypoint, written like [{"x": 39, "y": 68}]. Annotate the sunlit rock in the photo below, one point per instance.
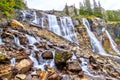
[
  {"x": 15, "y": 23},
  {"x": 24, "y": 65}
]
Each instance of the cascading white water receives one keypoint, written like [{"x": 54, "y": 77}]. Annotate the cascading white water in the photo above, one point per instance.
[
  {"x": 113, "y": 44},
  {"x": 35, "y": 21},
  {"x": 13, "y": 61},
  {"x": 40, "y": 63},
  {"x": 53, "y": 24},
  {"x": 16, "y": 40},
  {"x": 67, "y": 29},
  {"x": 96, "y": 45},
  {"x": 0, "y": 36}
]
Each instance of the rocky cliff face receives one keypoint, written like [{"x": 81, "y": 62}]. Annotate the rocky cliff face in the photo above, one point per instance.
[{"x": 34, "y": 53}]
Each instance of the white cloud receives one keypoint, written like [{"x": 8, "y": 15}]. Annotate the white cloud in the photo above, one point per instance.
[{"x": 59, "y": 4}]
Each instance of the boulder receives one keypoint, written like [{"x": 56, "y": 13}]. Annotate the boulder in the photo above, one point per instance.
[
  {"x": 24, "y": 65},
  {"x": 74, "y": 66},
  {"x": 21, "y": 76},
  {"x": 61, "y": 58},
  {"x": 15, "y": 23},
  {"x": 47, "y": 55}
]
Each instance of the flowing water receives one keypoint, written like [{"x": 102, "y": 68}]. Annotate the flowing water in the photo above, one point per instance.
[
  {"x": 13, "y": 61},
  {"x": 96, "y": 45},
  {"x": 40, "y": 63},
  {"x": 113, "y": 44},
  {"x": 65, "y": 29},
  {"x": 53, "y": 24}
]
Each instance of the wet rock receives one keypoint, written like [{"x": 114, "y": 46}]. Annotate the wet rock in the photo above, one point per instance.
[
  {"x": 74, "y": 66},
  {"x": 61, "y": 58},
  {"x": 43, "y": 45},
  {"x": 54, "y": 76},
  {"x": 37, "y": 45},
  {"x": 24, "y": 65},
  {"x": 49, "y": 69},
  {"x": 5, "y": 35},
  {"x": 23, "y": 40},
  {"x": 93, "y": 63},
  {"x": 21, "y": 76},
  {"x": 47, "y": 55}
]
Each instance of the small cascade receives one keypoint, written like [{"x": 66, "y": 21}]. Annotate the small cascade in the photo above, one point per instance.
[
  {"x": 0, "y": 39},
  {"x": 16, "y": 40},
  {"x": 67, "y": 29},
  {"x": 31, "y": 39},
  {"x": 113, "y": 44},
  {"x": 0, "y": 36},
  {"x": 96, "y": 45},
  {"x": 87, "y": 71},
  {"x": 40, "y": 62},
  {"x": 13, "y": 61},
  {"x": 53, "y": 24},
  {"x": 35, "y": 21}
]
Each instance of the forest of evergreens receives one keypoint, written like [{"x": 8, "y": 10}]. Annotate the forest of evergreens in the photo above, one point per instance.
[
  {"x": 87, "y": 9},
  {"x": 7, "y": 7}
]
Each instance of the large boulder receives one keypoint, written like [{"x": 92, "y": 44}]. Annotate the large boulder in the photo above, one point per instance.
[
  {"x": 74, "y": 66},
  {"x": 24, "y": 65},
  {"x": 61, "y": 58}
]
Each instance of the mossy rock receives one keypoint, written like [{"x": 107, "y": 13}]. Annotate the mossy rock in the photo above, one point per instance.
[
  {"x": 61, "y": 58},
  {"x": 2, "y": 57}
]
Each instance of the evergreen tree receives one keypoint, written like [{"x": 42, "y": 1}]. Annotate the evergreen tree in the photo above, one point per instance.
[
  {"x": 75, "y": 10},
  {"x": 7, "y": 6},
  {"x": 88, "y": 7},
  {"x": 66, "y": 9},
  {"x": 81, "y": 10},
  {"x": 19, "y": 4}
]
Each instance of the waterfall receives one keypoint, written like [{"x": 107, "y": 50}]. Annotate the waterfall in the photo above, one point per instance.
[
  {"x": 0, "y": 36},
  {"x": 113, "y": 44},
  {"x": 16, "y": 40},
  {"x": 67, "y": 29},
  {"x": 96, "y": 45},
  {"x": 53, "y": 24},
  {"x": 13, "y": 61}
]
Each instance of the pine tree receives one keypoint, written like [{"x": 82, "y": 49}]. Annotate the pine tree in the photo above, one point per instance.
[
  {"x": 75, "y": 10},
  {"x": 88, "y": 7},
  {"x": 81, "y": 10},
  {"x": 66, "y": 9}
]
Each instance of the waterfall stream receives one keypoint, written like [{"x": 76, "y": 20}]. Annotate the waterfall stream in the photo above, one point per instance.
[
  {"x": 113, "y": 44},
  {"x": 96, "y": 45},
  {"x": 65, "y": 29}
]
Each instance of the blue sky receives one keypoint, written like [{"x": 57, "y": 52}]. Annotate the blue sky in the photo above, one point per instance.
[{"x": 59, "y": 4}]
